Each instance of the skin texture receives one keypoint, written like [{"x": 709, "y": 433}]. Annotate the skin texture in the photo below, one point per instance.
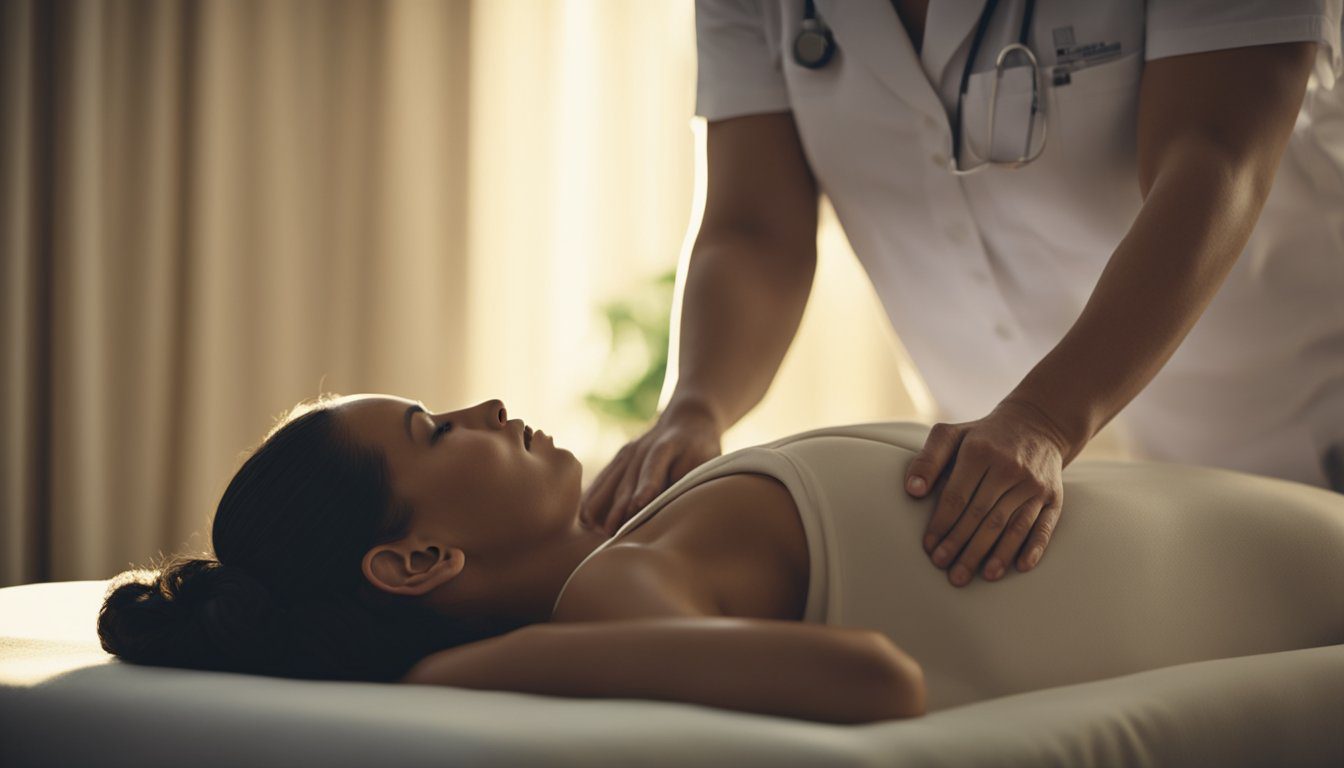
[
  {"x": 711, "y": 588},
  {"x": 1211, "y": 129}
]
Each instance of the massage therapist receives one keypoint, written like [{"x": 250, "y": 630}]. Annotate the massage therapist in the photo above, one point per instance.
[{"x": 1070, "y": 211}]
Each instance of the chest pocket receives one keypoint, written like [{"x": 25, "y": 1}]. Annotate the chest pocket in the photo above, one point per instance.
[
  {"x": 998, "y": 121},
  {"x": 1057, "y": 220},
  {"x": 1090, "y": 117},
  {"x": 1098, "y": 100}
]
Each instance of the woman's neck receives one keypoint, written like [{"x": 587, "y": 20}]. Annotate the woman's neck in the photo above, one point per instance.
[{"x": 524, "y": 586}]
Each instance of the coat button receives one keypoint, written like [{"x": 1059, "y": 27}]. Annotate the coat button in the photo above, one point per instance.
[
  {"x": 1003, "y": 331},
  {"x": 939, "y": 159}
]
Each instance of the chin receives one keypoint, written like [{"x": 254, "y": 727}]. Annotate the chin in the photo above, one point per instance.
[{"x": 569, "y": 460}]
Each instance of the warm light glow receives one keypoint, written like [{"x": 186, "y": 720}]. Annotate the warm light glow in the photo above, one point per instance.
[
  {"x": 587, "y": 179},
  {"x": 846, "y": 365},
  {"x": 580, "y": 188}
]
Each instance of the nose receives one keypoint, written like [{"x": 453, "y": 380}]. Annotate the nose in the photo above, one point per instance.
[
  {"x": 490, "y": 414},
  {"x": 493, "y": 413}
]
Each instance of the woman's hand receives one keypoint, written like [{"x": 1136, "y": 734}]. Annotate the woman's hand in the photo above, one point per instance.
[
  {"x": 1003, "y": 486},
  {"x": 684, "y": 437}
]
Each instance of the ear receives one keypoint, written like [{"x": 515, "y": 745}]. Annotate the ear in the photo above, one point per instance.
[{"x": 414, "y": 568}]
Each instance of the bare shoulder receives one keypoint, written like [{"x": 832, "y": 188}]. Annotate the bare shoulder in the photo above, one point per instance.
[
  {"x": 746, "y": 490},
  {"x": 631, "y": 581},
  {"x": 748, "y": 519},
  {"x": 693, "y": 557},
  {"x": 725, "y": 512}
]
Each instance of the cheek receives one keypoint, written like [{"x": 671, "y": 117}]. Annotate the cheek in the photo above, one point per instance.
[
  {"x": 486, "y": 474},
  {"x": 451, "y": 487},
  {"x": 495, "y": 471}
]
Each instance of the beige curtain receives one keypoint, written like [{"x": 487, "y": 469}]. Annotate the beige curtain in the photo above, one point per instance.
[{"x": 209, "y": 211}]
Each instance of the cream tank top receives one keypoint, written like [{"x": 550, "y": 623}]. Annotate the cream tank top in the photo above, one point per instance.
[{"x": 1151, "y": 565}]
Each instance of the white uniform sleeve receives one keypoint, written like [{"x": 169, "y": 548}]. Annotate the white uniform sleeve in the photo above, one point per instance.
[
  {"x": 739, "y": 71},
  {"x": 1175, "y": 27}
]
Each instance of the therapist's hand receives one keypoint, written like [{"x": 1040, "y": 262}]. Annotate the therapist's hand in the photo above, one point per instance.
[
  {"x": 1002, "y": 489},
  {"x": 684, "y": 437}
]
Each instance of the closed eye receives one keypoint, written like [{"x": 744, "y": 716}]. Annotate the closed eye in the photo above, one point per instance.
[{"x": 440, "y": 431}]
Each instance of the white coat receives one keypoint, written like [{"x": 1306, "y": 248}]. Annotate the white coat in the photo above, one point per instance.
[{"x": 982, "y": 275}]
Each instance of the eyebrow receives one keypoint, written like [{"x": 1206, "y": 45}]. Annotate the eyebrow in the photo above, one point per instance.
[{"x": 406, "y": 418}]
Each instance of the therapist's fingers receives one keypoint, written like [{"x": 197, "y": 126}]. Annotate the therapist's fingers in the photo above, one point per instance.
[
  {"x": 990, "y": 491},
  {"x": 939, "y": 448},
  {"x": 966, "y": 477},
  {"x": 620, "y": 500},
  {"x": 597, "y": 499},
  {"x": 1041, "y": 533},
  {"x": 991, "y": 526},
  {"x": 686, "y": 461},
  {"x": 1010, "y": 543},
  {"x": 653, "y": 475}
]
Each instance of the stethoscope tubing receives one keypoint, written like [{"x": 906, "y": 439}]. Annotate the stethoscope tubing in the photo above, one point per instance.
[{"x": 815, "y": 46}]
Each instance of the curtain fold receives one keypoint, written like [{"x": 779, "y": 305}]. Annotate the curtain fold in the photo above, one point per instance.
[
  {"x": 211, "y": 211},
  {"x": 24, "y": 537}
]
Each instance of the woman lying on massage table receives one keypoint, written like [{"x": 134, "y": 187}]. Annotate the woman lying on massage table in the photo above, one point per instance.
[{"x": 367, "y": 539}]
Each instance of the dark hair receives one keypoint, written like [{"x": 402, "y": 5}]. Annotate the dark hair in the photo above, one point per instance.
[{"x": 285, "y": 594}]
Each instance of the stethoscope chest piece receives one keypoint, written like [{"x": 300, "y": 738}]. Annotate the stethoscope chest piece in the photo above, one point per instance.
[{"x": 814, "y": 46}]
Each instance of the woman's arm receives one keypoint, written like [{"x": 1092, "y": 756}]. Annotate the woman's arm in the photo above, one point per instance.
[{"x": 785, "y": 668}]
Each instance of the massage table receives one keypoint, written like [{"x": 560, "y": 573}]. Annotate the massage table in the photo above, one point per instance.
[{"x": 64, "y": 702}]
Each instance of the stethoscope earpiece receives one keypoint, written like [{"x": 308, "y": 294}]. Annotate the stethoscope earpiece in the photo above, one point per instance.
[{"x": 814, "y": 46}]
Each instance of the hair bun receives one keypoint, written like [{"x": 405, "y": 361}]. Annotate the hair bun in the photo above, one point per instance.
[{"x": 196, "y": 613}]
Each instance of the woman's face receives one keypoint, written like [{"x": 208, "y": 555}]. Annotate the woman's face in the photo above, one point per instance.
[{"x": 474, "y": 478}]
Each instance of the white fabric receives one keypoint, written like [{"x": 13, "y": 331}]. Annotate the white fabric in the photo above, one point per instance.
[
  {"x": 1176, "y": 27},
  {"x": 1152, "y": 565},
  {"x": 981, "y": 276},
  {"x": 65, "y": 702}
]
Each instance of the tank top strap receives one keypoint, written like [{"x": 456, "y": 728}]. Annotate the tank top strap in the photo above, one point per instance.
[
  {"x": 759, "y": 459},
  {"x": 776, "y": 460}
]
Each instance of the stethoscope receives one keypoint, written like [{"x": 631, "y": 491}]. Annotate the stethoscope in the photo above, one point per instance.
[{"x": 814, "y": 47}]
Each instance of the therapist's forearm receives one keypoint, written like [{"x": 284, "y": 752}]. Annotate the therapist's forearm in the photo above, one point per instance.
[
  {"x": 741, "y": 306},
  {"x": 1194, "y": 223},
  {"x": 1211, "y": 130}
]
